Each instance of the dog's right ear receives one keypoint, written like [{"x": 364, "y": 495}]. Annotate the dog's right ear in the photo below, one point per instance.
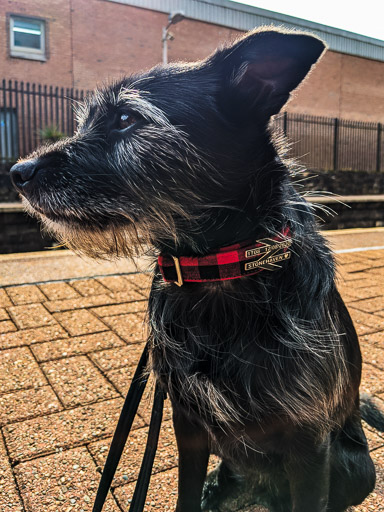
[{"x": 259, "y": 71}]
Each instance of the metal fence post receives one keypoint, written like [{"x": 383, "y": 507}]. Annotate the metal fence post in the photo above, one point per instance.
[
  {"x": 16, "y": 85},
  {"x": 29, "y": 124},
  {"x": 285, "y": 123},
  {"x": 5, "y": 149},
  {"x": 378, "y": 153},
  {"x": 35, "y": 132},
  {"x": 23, "y": 123},
  {"x": 336, "y": 144},
  {"x": 12, "y": 144}
]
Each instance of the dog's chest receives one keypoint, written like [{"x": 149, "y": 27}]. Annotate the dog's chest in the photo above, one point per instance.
[
  {"x": 228, "y": 361},
  {"x": 224, "y": 407},
  {"x": 209, "y": 368}
]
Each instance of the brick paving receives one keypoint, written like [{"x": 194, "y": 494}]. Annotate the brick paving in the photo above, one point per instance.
[{"x": 67, "y": 354}]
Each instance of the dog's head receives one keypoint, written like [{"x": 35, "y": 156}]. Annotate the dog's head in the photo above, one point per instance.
[{"x": 168, "y": 155}]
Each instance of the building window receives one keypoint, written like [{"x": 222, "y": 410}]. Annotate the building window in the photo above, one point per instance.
[{"x": 27, "y": 38}]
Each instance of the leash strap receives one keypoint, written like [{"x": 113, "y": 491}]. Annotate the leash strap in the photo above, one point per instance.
[
  {"x": 138, "y": 499},
  {"x": 123, "y": 428}
]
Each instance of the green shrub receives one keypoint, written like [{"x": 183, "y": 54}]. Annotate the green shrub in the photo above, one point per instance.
[{"x": 51, "y": 134}]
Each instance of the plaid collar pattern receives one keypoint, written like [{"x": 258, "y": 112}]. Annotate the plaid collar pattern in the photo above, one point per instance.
[{"x": 242, "y": 259}]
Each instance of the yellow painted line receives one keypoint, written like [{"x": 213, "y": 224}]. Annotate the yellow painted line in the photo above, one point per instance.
[
  {"x": 36, "y": 255},
  {"x": 333, "y": 199},
  {"x": 359, "y": 249},
  {"x": 351, "y": 231}
]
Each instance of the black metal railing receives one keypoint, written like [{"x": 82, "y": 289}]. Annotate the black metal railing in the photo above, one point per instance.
[
  {"x": 325, "y": 143},
  {"x": 319, "y": 143},
  {"x": 29, "y": 113}
]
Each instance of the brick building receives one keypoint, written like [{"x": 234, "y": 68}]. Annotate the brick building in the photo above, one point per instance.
[{"x": 80, "y": 43}]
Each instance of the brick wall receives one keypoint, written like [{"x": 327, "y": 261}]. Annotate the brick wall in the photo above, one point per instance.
[
  {"x": 344, "y": 183},
  {"x": 91, "y": 41},
  {"x": 57, "y": 70},
  {"x": 363, "y": 214},
  {"x": 21, "y": 233},
  {"x": 343, "y": 86}
]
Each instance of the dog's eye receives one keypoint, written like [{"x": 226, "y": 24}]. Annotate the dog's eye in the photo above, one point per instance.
[{"x": 126, "y": 120}]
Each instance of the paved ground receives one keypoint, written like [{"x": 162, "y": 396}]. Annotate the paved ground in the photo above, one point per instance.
[
  {"x": 24, "y": 268},
  {"x": 67, "y": 351}
]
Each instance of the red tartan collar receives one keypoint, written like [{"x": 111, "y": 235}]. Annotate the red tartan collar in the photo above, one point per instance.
[{"x": 238, "y": 260}]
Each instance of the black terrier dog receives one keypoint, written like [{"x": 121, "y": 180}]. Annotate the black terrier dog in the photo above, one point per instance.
[{"x": 249, "y": 335}]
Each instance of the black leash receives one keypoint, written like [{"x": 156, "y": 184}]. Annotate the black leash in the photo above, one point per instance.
[
  {"x": 138, "y": 499},
  {"x": 123, "y": 428}
]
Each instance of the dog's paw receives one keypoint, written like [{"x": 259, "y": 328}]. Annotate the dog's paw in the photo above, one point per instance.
[
  {"x": 210, "y": 498},
  {"x": 215, "y": 490},
  {"x": 224, "y": 491}
]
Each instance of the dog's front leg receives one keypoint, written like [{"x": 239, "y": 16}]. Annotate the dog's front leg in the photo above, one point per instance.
[
  {"x": 192, "y": 443},
  {"x": 309, "y": 476}
]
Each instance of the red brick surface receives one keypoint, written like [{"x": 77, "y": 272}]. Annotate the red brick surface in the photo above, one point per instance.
[
  {"x": 89, "y": 287},
  {"x": 3, "y": 314},
  {"x": 64, "y": 481},
  {"x": 66, "y": 367},
  {"x": 78, "y": 303},
  {"x": 25, "y": 294},
  {"x": 26, "y": 403},
  {"x": 31, "y": 315},
  {"x": 88, "y": 343},
  {"x": 30, "y": 336},
  {"x": 9, "y": 496},
  {"x": 19, "y": 370},
  {"x": 76, "y": 381},
  {"x": 120, "y": 357},
  {"x": 162, "y": 493},
  {"x": 79, "y": 322},
  {"x": 62, "y": 430},
  {"x": 7, "y": 326},
  {"x": 57, "y": 291},
  {"x": 130, "y": 327},
  {"x": 166, "y": 456},
  {"x": 5, "y": 301},
  {"x": 120, "y": 309}
]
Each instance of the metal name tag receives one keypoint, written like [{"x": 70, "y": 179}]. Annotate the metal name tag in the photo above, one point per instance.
[
  {"x": 268, "y": 263},
  {"x": 269, "y": 245}
]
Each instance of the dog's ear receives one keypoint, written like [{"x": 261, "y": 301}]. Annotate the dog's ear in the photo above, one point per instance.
[{"x": 259, "y": 71}]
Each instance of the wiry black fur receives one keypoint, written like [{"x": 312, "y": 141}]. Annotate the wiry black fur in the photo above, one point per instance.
[{"x": 264, "y": 370}]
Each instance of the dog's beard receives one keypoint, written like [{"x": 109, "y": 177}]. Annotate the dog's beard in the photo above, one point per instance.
[
  {"x": 111, "y": 239},
  {"x": 107, "y": 241},
  {"x": 102, "y": 243}
]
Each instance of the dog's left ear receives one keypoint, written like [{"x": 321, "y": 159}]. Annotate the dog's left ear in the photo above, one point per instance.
[{"x": 259, "y": 71}]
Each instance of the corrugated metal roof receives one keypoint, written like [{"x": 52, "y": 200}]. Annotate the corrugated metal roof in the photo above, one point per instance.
[{"x": 246, "y": 17}]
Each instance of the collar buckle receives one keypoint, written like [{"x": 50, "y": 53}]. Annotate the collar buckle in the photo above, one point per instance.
[{"x": 179, "y": 281}]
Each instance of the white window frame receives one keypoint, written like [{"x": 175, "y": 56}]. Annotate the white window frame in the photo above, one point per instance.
[{"x": 25, "y": 52}]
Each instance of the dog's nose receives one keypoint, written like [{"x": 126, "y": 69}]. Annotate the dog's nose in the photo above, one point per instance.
[{"x": 23, "y": 173}]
